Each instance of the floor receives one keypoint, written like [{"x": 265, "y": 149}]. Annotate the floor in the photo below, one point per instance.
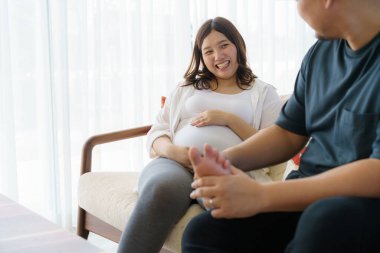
[
  {"x": 107, "y": 245},
  {"x": 102, "y": 243},
  {"x": 22, "y": 230}
]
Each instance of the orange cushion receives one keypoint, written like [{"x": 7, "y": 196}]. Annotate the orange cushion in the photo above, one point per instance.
[{"x": 163, "y": 98}]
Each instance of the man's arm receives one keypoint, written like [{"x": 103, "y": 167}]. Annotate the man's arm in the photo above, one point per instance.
[
  {"x": 360, "y": 178},
  {"x": 269, "y": 146},
  {"x": 238, "y": 195}
]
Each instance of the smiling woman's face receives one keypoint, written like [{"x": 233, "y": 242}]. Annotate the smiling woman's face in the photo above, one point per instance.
[{"x": 220, "y": 57}]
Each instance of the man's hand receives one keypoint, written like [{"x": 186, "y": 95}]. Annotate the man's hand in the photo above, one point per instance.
[
  {"x": 233, "y": 196},
  {"x": 225, "y": 189}
]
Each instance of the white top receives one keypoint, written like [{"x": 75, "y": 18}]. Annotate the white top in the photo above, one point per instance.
[
  {"x": 263, "y": 109},
  {"x": 220, "y": 137}
]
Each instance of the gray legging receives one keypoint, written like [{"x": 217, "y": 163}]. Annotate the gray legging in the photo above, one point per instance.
[{"x": 164, "y": 189}]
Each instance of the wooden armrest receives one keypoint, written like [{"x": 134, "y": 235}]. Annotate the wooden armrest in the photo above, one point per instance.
[{"x": 107, "y": 138}]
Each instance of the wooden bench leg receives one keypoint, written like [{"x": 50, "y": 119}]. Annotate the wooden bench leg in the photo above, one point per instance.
[{"x": 81, "y": 230}]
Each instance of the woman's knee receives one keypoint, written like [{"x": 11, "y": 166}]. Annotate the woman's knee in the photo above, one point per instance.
[{"x": 164, "y": 190}]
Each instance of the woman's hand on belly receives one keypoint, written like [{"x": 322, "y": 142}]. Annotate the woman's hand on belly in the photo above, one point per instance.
[
  {"x": 212, "y": 117},
  {"x": 221, "y": 118}
]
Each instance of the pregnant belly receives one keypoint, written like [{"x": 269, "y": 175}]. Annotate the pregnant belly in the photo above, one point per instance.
[{"x": 220, "y": 137}]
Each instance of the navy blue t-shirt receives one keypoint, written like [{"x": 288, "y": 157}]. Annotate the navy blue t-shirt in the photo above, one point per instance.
[{"x": 336, "y": 102}]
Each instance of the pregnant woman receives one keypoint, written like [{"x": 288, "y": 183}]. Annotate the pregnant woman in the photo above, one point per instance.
[{"x": 220, "y": 102}]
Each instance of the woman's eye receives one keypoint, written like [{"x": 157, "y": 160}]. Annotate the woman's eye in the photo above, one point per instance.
[
  {"x": 207, "y": 52},
  {"x": 224, "y": 45}
]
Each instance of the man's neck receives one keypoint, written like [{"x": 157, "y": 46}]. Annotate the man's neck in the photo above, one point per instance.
[
  {"x": 358, "y": 41},
  {"x": 363, "y": 27}
]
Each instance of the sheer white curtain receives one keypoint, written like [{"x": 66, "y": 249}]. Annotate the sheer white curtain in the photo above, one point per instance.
[{"x": 71, "y": 69}]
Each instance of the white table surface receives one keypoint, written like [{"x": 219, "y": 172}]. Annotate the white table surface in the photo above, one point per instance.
[{"x": 22, "y": 230}]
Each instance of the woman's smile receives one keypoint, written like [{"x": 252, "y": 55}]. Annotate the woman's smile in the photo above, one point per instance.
[{"x": 223, "y": 65}]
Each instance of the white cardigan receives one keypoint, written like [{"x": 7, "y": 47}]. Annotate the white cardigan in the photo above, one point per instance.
[{"x": 167, "y": 120}]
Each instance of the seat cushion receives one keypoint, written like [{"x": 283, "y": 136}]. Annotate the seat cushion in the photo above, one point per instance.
[{"x": 110, "y": 196}]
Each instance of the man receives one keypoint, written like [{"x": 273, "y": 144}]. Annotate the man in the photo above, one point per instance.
[{"x": 332, "y": 203}]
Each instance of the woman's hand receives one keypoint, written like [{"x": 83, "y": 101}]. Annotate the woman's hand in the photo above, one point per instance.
[
  {"x": 180, "y": 155},
  {"x": 212, "y": 117},
  {"x": 221, "y": 118},
  {"x": 164, "y": 147}
]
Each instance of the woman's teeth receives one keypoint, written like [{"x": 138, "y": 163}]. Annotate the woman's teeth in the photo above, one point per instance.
[{"x": 223, "y": 65}]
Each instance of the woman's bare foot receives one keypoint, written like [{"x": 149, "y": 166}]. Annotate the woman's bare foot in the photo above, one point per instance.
[{"x": 210, "y": 164}]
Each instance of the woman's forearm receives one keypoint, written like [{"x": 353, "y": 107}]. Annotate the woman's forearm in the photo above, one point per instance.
[
  {"x": 161, "y": 146},
  {"x": 164, "y": 147}
]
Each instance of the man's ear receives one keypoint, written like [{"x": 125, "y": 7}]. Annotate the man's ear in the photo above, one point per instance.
[{"x": 328, "y": 3}]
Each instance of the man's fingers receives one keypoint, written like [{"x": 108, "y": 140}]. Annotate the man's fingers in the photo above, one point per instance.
[
  {"x": 217, "y": 213},
  {"x": 203, "y": 192},
  {"x": 204, "y": 188},
  {"x": 205, "y": 181}
]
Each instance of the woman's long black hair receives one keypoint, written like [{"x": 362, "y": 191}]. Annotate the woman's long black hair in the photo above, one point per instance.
[{"x": 197, "y": 73}]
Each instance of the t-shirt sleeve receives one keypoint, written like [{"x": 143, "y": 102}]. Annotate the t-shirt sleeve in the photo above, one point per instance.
[
  {"x": 376, "y": 144},
  {"x": 271, "y": 107},
  {"x": 292, "y": 116}
]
